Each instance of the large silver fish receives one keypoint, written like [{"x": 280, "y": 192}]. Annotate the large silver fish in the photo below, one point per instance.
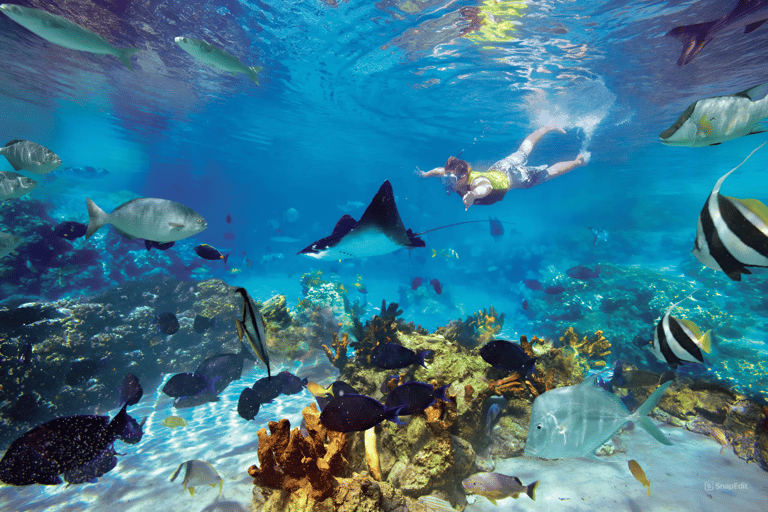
[
  {"x": 8, "y": 242},
  {"x": 14, "y": 185},
  {"x": 252, "y": 326},
  {"x": 574, "y": 421},
  {"x": 717, "y": 119},
  {"x": 24, "y": 155},
  {"x": 198, "y": 472},
  {"x": 157, "y": 220},
  {"x": 216, "y": 57},
  {"x": 63, "y": 32}
]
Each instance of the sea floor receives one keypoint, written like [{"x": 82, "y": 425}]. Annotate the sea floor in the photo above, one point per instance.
[{"x": 689, "y": 475}]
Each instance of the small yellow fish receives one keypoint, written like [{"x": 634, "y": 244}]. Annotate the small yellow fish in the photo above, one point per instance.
[
  {"x": 705, "y": 126},
  {"x": 318, "y": 390},
  {"x": 174, "y": 421},
  {"x": 719, "y": 436},
  {"x": 639, "y": 474},
  {"x": 235, "y": 270}
]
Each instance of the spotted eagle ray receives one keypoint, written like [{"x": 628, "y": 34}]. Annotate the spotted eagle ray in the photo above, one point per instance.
[
  {"x": 750, "y": 14},
  {"x": 379, "y": 231}
]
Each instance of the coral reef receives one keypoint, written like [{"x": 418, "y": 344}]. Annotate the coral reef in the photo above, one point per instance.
[
  {"x": 339, "y": 360},
  {"x": 294, "y": 463},
  {"x": 476, "y": 330},
  {"x": 594, "y": 348},
  {"x": 276, "y": 313},
  {"x": 382, "y": 328}
]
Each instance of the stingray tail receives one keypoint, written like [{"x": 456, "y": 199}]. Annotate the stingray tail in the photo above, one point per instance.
[{"x": 694, "y": 38}]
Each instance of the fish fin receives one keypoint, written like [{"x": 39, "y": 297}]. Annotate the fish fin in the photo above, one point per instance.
[
  {"x": 652, "y": 429},
  {"x": 754, "y": 26},
  {"x": 649, "y": 487},
  {"x": 694, "y": 38},
  {"x": 492, "y": 500},
  {"x": 705, "y": 340},
  {"x": 178, "y": 470},
  {"x": 392, "y": 414},
  {"x": 755, "y": 93},
  {"x": 641, "y": 415},
  {"x": 221, "y": 487},
  {"x": 12, "y": 142},
  {"x": 530, "y": 490},
  {"x": 96, "y": 218},
  {"x": 253, "y": 72},
  {"x": 175, "y": 225},
  {"x": 692, "y": 326},
  {"x": 244, "y": 350},
  {"x": 758, "y": 129},
  {"x": 225, "y": 258},
  {"x": 125, "y": 54},
  {"x": 191, "y": 491},
  {"x": 756, "y": 207},
  {"x": 240, "y": 329}
]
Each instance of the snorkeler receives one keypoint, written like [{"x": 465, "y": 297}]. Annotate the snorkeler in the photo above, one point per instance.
[{"x": 490, "y": 186}]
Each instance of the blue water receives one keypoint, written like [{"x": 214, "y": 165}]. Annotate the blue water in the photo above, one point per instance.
[{"x": 353, "y": 93}]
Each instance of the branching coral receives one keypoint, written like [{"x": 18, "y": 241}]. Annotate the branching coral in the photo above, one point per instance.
[
  {"x": 340, "y": 347},
  {"x": 275, "y": 311},
  {"x": 379, "y": 329},
  {"x": 595, "y": 347},
  {"x": 442, "y": 414},
  {"x": 476, "y": 330},
  {"x": 289, "y": 461}
]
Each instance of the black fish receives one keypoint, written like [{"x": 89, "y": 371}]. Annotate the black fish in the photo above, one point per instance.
[
  {"x": 81, "y": 370},
  {"x": 497, "y": 230},
  {"x": 353, "y": 413},
  {"x": 505, "y": 355},
  {"x": 203, "y": 323},
  {"x": 338, "y": 388},
  {"x": 379, "y": 231},
  {"x": 70, "y": 230},
  {"x": 415, "y": 396},
  {"x": 267, "y": 389},
  {"x": 394, "y": 355},
  {"x": 533, "y": 284},
  {"x": 555, "y": 289},
  {"x": 92, "y": 470},
  {"x": 583, "y": 273},
  {"x": 229, "y": 219},
  {"x": 208, "y": 252},
  {"x": 130, "y": 390},
  {"x": 205, "y": 397},
  {"x": 248, "y": 405},
  {"x": 60, "y": 445},
  {"x": 149, "y": 244},
  {"x": 187, "y": 384},
  {"x": 221, "y": 370},
  {"x": 750, "y": 14},
  {"x": 167, "y": 323},
  {"x": 291, "y": 383}
]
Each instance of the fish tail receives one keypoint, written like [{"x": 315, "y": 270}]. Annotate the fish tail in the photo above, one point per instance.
[
  {"x": 253, "y": 72},
  {"x": 125, "y": 54},
  {"x": 96, "y": 218},
  {"x": 694, "y": 38},
  {"x": 225, "y": 259},
  {"x": 641, "y": 415},
  {"x": 393, "y": 413},
  {"x": 530, "y": 490}
]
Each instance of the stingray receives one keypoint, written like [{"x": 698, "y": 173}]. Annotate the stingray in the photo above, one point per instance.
[{"x": 379, "y": 231}]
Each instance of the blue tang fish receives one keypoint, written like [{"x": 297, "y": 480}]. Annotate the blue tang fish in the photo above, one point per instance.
[
  {"x": 394, "y": 355},
  {"x": 353, "y": 413},
  {"x": 415, "y": 396},
  {"x": 505, "y": 355}
]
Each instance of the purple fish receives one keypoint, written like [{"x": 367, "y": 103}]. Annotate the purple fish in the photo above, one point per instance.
[
  {"x": 555, "y": 289},
  {"x": 583, "y": 273},
  {"x": 505, "y": 355},
  {"x": 354, "y": 413},
  {"x": 394, "y": 355},
  {"x": 533, "y": 284},
  {"x": 415, "y": 396},
  {"x": 130, "y": 390},
  {"x": 497, "y": 230}
]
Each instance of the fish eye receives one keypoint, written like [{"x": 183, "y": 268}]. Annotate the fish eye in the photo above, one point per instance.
[
  {"x": 538, "y": 426},
  {"x": 199, "y": 221}
]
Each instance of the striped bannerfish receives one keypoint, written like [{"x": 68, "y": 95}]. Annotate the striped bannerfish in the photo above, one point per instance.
[
  {"x": 677, "y": 341},
  {"x": 252, "y": 327},
  {"x": 732, "y": 234}
]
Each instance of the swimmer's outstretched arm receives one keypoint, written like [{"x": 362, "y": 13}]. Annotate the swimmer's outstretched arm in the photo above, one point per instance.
[{"x": 437, "y": 171}]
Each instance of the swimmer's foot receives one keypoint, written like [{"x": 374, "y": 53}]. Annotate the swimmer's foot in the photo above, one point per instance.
[
  {"x": 584, "y": 158},
  {"x": 554, "y": 128}
]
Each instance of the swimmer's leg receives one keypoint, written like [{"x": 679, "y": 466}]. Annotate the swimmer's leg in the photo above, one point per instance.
[
  {"x": 561, "y": 168},
  {"x": 530, "y": 141}
]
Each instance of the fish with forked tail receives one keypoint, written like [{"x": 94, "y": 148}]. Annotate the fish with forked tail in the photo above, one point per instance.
[
  {"x": 496, "y": 486},
  {"x": 214, "y": 56},
  {"x": 61, "y": 31},
  {"x": 24, "y": 155}
]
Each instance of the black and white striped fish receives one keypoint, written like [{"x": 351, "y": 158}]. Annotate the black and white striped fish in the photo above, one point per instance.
[
  {"x": 677, "y": 341},
  {"x": 732, "y": 234}
]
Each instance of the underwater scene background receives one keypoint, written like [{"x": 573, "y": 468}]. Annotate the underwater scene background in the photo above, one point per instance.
[{"x": 577, "y": 272}]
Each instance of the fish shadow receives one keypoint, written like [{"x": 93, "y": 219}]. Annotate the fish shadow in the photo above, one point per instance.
[{"x": 251, "y": 447}]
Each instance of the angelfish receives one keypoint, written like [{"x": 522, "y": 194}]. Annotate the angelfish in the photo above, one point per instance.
[
  {"x": 214, "y": 56},
  {"x": 252, "y": 326},
  {"x": 61, "y": 31},
  {"x": 732, "y": 234},
  {"x": 717, "y": 119}
]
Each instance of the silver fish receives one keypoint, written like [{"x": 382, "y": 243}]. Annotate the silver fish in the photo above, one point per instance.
[
  {"x": 214, "y": 56},
  {"x": 198, "y": 472},
  {"x": 574, "y": 421},
  {"x": 63, "y": 32},
  {"x": 157, "y": 220},
  {"x": 14, "y": 185},
  {"x": 717, "y": 119},
  {"x": 252, "y": 326},
  {"x": 8, "y": 242},
  {"x": 24, "y": 155}
]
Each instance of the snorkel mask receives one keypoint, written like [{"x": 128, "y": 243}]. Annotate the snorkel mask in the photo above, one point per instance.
[{"x": 450, "y": 181}]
